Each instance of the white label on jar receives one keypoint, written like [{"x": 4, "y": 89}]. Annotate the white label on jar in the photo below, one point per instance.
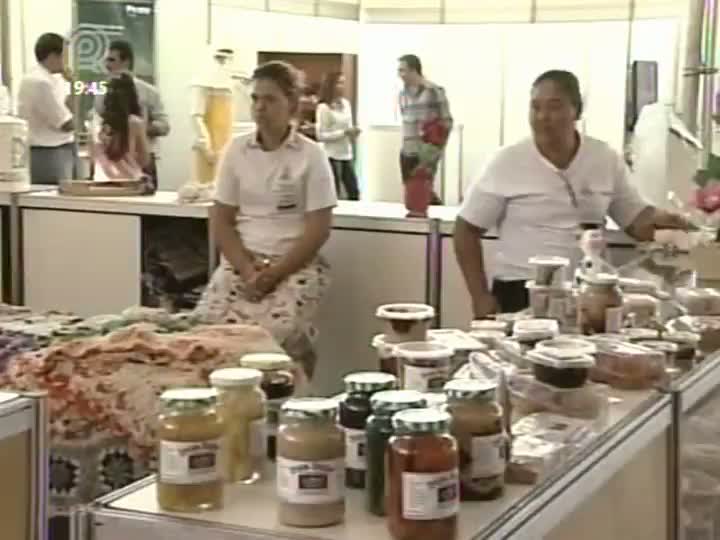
[
  {"x": 613, "y": 319},
  {"x": 423, "y": 379},
  {"x": 189, "y": 462},
  {"x": 488, "y": 456},
  {"x": 258, "y": 438},
  {"x": 311, "y": 482},
  {"x": 355, "y": 446},
  {"x": 429, "y": 496}
]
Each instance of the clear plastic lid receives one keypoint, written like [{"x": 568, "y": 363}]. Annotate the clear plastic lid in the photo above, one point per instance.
[
  {"x": 543, "y": 359},
  {"x": 534, "y": 329},
  {"x": 471, "y": 389},
  {"x": 266, "y": 361},
  {"x": 231, "y": 377},
  {"x": 551, "y": 261},
  {"x": 369, "y": 381},
  {"x": 406, "y": 312},
  {"x": 457, "y": 340},
  {"x": 624, "y": 350},
  {"x": 423, "y": 350},
  {"x": 311, "y": 407},
  {"x": 564, "y": 347},
  {"x": 397, "y": 400},
  {"x": 421, "y": 421}
]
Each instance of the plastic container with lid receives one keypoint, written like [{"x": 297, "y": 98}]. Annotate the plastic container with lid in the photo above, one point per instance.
[
  {"x": 426, "y": 365},
  {"x": 550, "y": 271},
  {"x": 406, "y": 322},
  {"x": 461, "y": 342},
  {"x": 532, "y": 331},
  {"x": 310, "y": 464},
  {"x": 567, "y": 347},
  {"x": 600, "y": 304},
  {"x": 190, "y": 431},
  {"x": 243, "y": 406},
  {"x": 699, "y": 301},
  {"x": 628, "y": 366},
  {"x": 687, "y": 343},
  {"x": 564, "y": 371},
  {"x": 379, "y": 430},
  {"x": 278, "y": 384},
  {"x": 387, "y": 360},
  {"x": 477, "y": 424},
  {"x": 354, "y": 411},
  {"x": 423, "y": 492}
]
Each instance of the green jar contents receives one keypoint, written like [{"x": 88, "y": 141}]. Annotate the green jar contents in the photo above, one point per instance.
[
  {"x": 379, "y": 430},
  {"x": 478, "y": 427},
  {"x": 354, "y": 411}
]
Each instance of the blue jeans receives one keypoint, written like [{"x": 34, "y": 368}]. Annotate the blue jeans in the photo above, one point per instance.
[{"x": 50, "y": 164}]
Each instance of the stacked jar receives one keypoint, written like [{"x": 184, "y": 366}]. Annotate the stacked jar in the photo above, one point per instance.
[
  {"x": 600, "y": 305},
  {"x": 379, "y": 430},
  {"x": 243, "y": 407},
  {"x": 423, "y": 491},
  {"x": 190, "y": 430},
  {"x": 425, "y": 365},
  {"x": 278, "y": 384},
  {"x": 355, "y": 409},
  {"x": 310, "y": 464}
]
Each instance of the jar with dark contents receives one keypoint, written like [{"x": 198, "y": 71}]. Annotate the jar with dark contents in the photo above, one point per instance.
[
  {"x": 379, "y": 430},
  {"x": 478, "y": 427},
  {"x": 406, "y": 322},
  {"x": 600, "y": 305},
  {"x": 423, "y": 493},
  {"x": 278, "y": 385},
  {"x": 425, "y": 365},
  {"x": 387, "y": 361},
  {"x": 354, "y": 411}
]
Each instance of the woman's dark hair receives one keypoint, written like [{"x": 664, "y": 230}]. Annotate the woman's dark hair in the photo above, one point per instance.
[
  {"x": 282, "y": 74},
  {"x": 328, "y": 87},
  {"x": 121, "y": 101},
  {"x": 48, "y": 44},
  {"x": 124, "y": 51},
  {"x": 568, "y": 83},
  {"x": 412, "y": 61}
]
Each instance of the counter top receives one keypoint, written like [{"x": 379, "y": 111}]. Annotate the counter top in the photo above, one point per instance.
[{"x": 253, "y": 508}]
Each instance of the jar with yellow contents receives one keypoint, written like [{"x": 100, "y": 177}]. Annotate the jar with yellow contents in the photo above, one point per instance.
[
  {"x": 190, "y": 430},
  {"x": 242, "y": 405}
]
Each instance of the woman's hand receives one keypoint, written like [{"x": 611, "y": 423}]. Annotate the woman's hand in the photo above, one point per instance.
[{"x": 264, "y": 280}]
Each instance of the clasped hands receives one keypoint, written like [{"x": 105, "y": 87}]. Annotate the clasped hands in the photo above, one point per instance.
[{"x": 261, "y": 278}]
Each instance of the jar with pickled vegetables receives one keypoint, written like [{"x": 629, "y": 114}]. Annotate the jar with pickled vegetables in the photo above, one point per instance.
[
  {"x": 379, "y": 430},
  {"x": 310, "y": 464},
  {"x": 190, "y": 431},
  {"x": 600, "y": 305},
  {"x": 423, "y": 493},
  {"x": 278, "y": 384},
  {"x": 243, "y": 405},
  {"x": 478, "y": 427},
  {"x": 354, "y": 412}
]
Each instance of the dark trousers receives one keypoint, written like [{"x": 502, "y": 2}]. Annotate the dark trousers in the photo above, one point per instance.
[
  {"x": 50, "y": 164},
  {"x": 512, "y": 296},
  {"x": 344, "y": 173},
  {"x": 408, "y": 164}
]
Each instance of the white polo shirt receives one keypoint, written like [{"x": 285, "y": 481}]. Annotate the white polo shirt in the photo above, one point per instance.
[
  {"x": 530, "y": 202},
  {"x": 41, "y": 102},
  {"x": 274, "y": 190}
]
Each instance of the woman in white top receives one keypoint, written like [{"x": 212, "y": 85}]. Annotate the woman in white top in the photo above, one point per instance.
[
  {"x": 537, "y": 194},
  {"x": 272, "y": 214},
  {"x": 335, "y": 130}
]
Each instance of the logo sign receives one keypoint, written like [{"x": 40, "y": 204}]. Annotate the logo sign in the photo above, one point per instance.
[{"x": 90, "y": 42}]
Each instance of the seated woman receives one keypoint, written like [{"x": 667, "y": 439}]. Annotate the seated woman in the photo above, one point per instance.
[
  {"x": 272, "y": 214},
  {"x": 120, "y": 148}
]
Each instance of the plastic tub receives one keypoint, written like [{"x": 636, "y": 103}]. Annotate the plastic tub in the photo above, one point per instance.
[
  {"x": 628, "y": 366},
  {"x": 406, "y": 322},
  {"x": 568, "y": 371},
  {"x": 530, "y": 332},
  {"x": 461, "y": 342},
  {"x": 426, "y": 365},
  {"x": 550, "y": 271}
]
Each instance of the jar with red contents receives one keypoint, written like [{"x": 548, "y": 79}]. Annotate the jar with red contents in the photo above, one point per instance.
[{"x": 423, "y": 492}]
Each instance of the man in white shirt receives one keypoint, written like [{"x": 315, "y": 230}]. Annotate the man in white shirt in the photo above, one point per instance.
[{"x": 43, "y": 101}]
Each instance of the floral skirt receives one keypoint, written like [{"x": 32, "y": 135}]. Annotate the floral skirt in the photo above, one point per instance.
[{"x": 287, "y": 312}]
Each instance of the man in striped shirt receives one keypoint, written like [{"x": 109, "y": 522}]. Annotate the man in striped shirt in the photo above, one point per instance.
[{"x": 420, "y": 101}]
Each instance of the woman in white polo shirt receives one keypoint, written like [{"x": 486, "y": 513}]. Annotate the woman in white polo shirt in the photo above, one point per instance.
[
  {"x": 272, "y": 214},
  {"x": 537, "y": 194}
]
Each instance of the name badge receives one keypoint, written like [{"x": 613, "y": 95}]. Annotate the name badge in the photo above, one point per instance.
[{"x": 285, "y": 191}]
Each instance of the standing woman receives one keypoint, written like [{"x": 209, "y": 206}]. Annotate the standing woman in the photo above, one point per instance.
[
  {"x": 335, "y": 130},
  {"x": 272, "y": 214}
]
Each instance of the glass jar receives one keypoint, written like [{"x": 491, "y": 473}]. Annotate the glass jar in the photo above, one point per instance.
[
  {"x": 425, "y": 365},
  {"x": 310, "y": 464},
  {"x": 243, "y": 406},
  {"x": 423, "y": 491},
  {"x": 379, "y": 430},
  {"x": 190, "y": 429},
  {"x": 406, "y": 322},
  {"x": 278, "y": 384},
  {"x": 387, "y": 361},
  {"x": 478, "y": 427},
  {"x": 600, "y": 305},
  {"x": 354, "y": 412}
]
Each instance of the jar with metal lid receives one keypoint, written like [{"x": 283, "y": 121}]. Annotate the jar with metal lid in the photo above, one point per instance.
[
  {"x": 278, "y": 384},
  {"x": 477, "y": 424},
  {"x": 423, "y": 493},
  {"x": 425, "y": 365},
  {"x": 354, "y": 411},
  {"x": 310, "y": 464},
  {"x": 190, "y": 431},
  {"x": 379, "y": 430},
  {"x": 243, "y": 406},
  {"x": 600, "y": 304}
]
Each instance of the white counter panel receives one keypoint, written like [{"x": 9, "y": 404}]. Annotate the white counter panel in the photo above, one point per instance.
[
  {"x": 368, "y": 269},
  {"x": 81, "y": 262}
]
